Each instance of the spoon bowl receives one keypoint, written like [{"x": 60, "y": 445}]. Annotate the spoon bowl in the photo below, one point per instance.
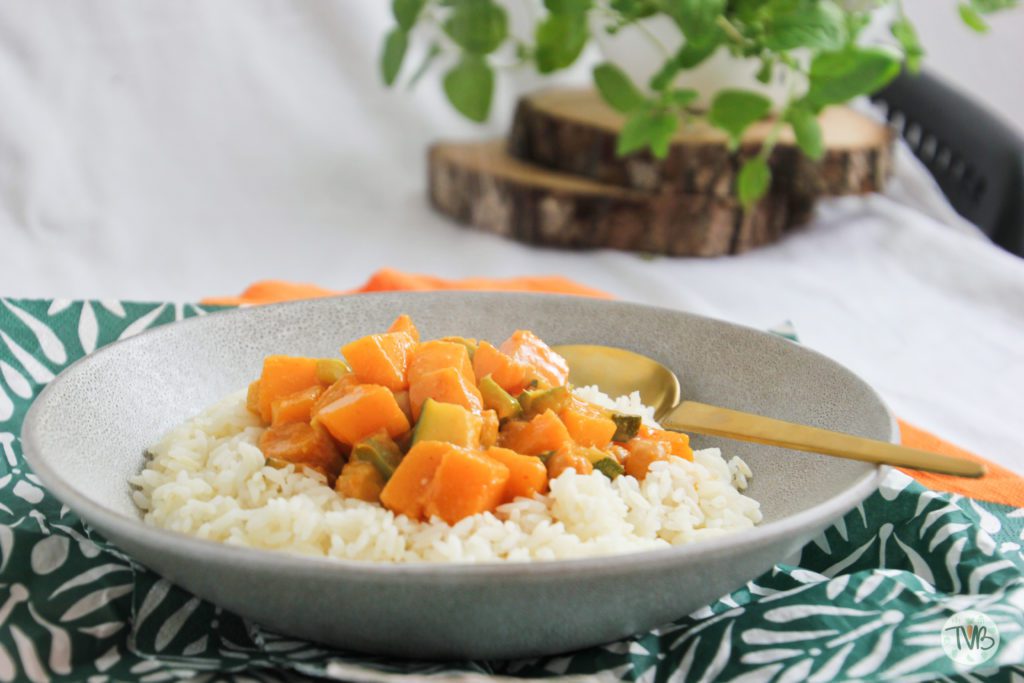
[{"x": 618, "y": 372}]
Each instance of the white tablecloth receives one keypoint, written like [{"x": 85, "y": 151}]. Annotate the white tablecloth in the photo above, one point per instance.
[{"x": 167, "y": 150}]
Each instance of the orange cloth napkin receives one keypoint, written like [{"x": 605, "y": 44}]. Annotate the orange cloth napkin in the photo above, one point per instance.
[{"x": 1000, "y": 485}]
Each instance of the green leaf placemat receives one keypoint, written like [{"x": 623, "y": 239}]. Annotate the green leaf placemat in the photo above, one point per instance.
[{"x": 867, "y": 600}]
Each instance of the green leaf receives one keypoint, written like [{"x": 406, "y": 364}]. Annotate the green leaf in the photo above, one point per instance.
[
  {"x": 972, "y": 17},
  {"x": 690, "y": 55},
  {"x": 477, "y": 26},
  {"x": 807, "y": 131},
  {"x": 764, "y": 74},
  {"x": 631, "y": 10},
  {"x": 696, "y": 51},
  {"x": 650, "y": 128},
  {"x": 567, "y": 7},
  {"x": 734, "y": 110},
  {"x": 683, "y": 97},
  {"x": 906, "y": 34},
  {"x": 407, "y": 12},
  {"x": 469, "y": 86},
  {"x": 837, "y": 77},
  {"x": 753, "y": 181},
  {"x": 664, "y": 76},
  {"x": 616, "y": 88},
  {"x": 816, "y": 24},
  {"x": 394, "y": 52},
  {"x": 695, "y": 18},
  {"x": 560, "y": 40}
]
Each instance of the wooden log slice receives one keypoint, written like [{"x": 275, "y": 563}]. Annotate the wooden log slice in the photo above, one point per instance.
[
  {"x": 481, "y": 185},
  {"x": 574, "y": 131}
]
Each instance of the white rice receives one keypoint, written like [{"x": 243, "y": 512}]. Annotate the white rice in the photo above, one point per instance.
[{"x": 209, "y": 479}]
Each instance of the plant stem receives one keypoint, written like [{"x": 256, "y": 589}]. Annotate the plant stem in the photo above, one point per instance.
[{"x": 730, "y": 29}]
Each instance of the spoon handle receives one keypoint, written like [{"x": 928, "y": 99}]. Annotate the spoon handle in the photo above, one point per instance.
[{"x": 701, "y": 418}]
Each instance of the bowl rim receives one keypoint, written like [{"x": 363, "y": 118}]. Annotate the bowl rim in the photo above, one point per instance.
[{"x": 104, "y": 518}]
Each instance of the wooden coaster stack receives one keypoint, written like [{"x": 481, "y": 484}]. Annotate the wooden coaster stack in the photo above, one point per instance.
[{"x": 558, "y": 182}]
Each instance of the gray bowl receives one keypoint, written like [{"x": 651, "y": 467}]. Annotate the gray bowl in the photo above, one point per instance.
[{"x": 87, "y": 433}]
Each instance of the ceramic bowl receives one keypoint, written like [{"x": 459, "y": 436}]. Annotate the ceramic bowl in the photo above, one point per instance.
[{"x": 89, "y": 430}]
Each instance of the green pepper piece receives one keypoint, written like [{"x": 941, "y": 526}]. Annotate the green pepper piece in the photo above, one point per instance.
[
  {"x": 626, "y": 426},
  {"x": 609, "y": 467}
]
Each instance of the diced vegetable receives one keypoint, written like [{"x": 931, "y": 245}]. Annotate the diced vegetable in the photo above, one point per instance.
[
  {"x": 545, "y": 365},
  {"x": 405, "y": 493},
  {"x": 335, "y": 391},
  {"x": 360, "y": 479},
  {"x": 330, "y": 370},
  {"x": 403, "y": 323},
  {"x": 446, "y": 385},
  {"x": 587, "y": 424},
  {"x": 609, "y": 467},
  {"x": 364, "y": 410},
  {"x": 626, "y": 426},
  {"x": 301, "y": 444},
  {"x": 440, "y": 355},
  {"x": 536, "y": 401},
  {"x": 543, "y": 433},
  {"x": 489, "y": 428},
  {"x": 381, "y": 359},
  {"x": 527, "y": 474},
  {"x": 380, "y": 451},
  {"x": 297, "y": 407},
  {"x": 642, "y": 453},
  {"x": 509, "y": 374},
  {"x": 466, "y": 483},
  {"x": 283, "y": 375},
  {"x": 252, "y": 397},
  {"x": 679, "y": 442},
  {"x": 497, "y": 399},
  {"x": 448, "y": 422},
  {"x": 568, "y": 458}
]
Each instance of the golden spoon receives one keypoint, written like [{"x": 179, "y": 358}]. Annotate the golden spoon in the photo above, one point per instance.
[{"x": 618, "y": 372}]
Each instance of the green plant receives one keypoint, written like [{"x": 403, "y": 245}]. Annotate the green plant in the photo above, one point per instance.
[{"x": 820, "y": 40}]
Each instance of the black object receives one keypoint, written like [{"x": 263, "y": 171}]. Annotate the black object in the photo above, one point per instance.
[{"x": 977, "y": 160}]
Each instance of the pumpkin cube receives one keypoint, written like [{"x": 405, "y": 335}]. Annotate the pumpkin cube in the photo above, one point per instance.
[
  {"x": 406, "y": 491},
  {"x": 365, "y": 410},
  {"x": 542, "y": 434},
  {"x": 466, "y": 483},
  {"x": 381, "y": 359},
  {"x": 446, "y": 385},
  {"x": 283, "y": 375}
]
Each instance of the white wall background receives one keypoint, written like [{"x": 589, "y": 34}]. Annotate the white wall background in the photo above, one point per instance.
[{"x": 990, "y": 66}]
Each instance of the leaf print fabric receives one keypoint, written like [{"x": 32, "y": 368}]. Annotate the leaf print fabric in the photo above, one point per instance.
[{"x": 866, "y": 600}]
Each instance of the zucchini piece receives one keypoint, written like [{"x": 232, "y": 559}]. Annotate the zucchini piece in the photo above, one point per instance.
[
  {"x": 626, "y": 426},
  {"x": 545, "y": 456},
  {"x": 609, "y": 467},
  {"x": 448, "y": 422},
  {"x": 330, "y": 370},
  {"x": 499, "y": 400},
  {"x": 380, "y": 451},
  {"x": 537, "y": 401}
]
